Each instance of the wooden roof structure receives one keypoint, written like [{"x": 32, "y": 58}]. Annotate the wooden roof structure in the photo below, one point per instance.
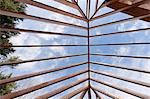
[{"x": 131, "y": 7}]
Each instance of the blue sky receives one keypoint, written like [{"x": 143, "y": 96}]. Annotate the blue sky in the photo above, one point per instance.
[{"x": 32, "y": 53}]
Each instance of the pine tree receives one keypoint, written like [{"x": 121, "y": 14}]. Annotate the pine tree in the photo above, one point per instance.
[
  {"x": 8, "y": 22},
  {"x": 6, "y": 88}
]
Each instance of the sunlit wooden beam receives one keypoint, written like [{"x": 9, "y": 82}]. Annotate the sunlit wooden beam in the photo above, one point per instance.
[
  {"x": 75, "y": 92},
  {"x": 125, "y": 90},
  {"x": 25, "y": 16},
  {"x": 120, "y": 67},
  {"x": 122, "y": 78},
  {"x": 121, "y": 9},
  {"x": 42, "y": 85},
  {"x": 13, "y": 79},
  {"x": 50, "y": 8},
  {"x": 41, "y": 59},
  {"x": 121, "y": 21},
  {"x": 62, "y": 89}
]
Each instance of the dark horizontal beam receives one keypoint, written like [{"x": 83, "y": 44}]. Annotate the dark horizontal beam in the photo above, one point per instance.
[
  {"x": 12, "y": 79},
  {"x": 120, "y": 67},
  {"x": 105, "y": 93},
  {"x": 121, "y": 32},
  {"x": 125, "y": 90},
  {"x": 121, "y": 21},
  {"x": 122, "y": 78},
  {"x": 42, "y": 59},
  {"x": 62, "y": 89},
  {"x": 121, "y": 9},
  {"x": 38, "y": 32},
  {"x": 69, "y": 45},
  {"x": 75, "y": 92},
  {"x": 50, "y": 8},
  {"x": 20, "y": 15},
  {"x": 39, "y": 86},
  {"x": 125, "y": 56},
  {"x": 119, "y": 44},
  {"x": 3, "y": 46}
]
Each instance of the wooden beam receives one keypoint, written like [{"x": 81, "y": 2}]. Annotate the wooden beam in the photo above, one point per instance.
[
  {"x": 25, "y": 16},
  {"x": 82, "y": 94},
  {"x": 39, "y": 86},
  {"x": 39, "y": 32},
  {"x": 119, "y": 44},
  {"x": 62, "y": 89},
  {"x": 88, "y": 3},
  {"x": 41, "y": 59},
  {"x": 121, "y": 21},
  {"x": 121, "y": 9},
  {"x": 79, "y": 9},
  {"x": 50, "y": 8},
  {"x": 120, "y": 67},
  {"x": 30, "y": 46},
  {"x": 75, "y": 92},
  {"x": 96, "y": 5},
  {"x": 125, "y": 90},
  {"x": 124, "y": 56},
  {"x": 105, "y": 93},
  {"x": 121, "y": 32},
  {"x": 12, "y": 79},
  {"x": 104, "y": 4},
  {"x": 97, "y": 95},
  {"x": 133, "y": 12},
  {"x": 122, "y": 78}
]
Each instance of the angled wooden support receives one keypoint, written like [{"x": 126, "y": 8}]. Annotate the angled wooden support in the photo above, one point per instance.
[
  {"x": 83, "y": 94},
  {"x": 122, "y": 78},
  {"x": 45, "y": 84},
  {"x": 88, "y": 7},
  {"x": 105, "y": 93},
  {"x": 96, "y": 5},
  {"x": 75, "y": 92},
  {"x": 97, "y": 95},
  {"x": 62, "y": 89},
  {"x": 89, "y": 92},
  {"x": 20, "y": 15},
  {"x": 121, "y": 21},
  {"x": 104, "y": 4},
  {"x": 28, "y": 31},
  {"x": 50, "y": 8},
  {"x": 121, "y": 67},
  {"x": 121, "y": 32},
  {"x": 12, "y": 79},
  {"x": 42, "y": 59},
  {"x": 124, "y": 56},
  {"x": 121, "y": 9},
  {"x": 125, "y": 90},
  {"x": 79, "y": 9}
]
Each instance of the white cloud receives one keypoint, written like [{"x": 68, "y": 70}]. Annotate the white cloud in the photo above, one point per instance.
[
  {"x": 134, "y": 25},
  {"x": 135, "y": 63}
]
